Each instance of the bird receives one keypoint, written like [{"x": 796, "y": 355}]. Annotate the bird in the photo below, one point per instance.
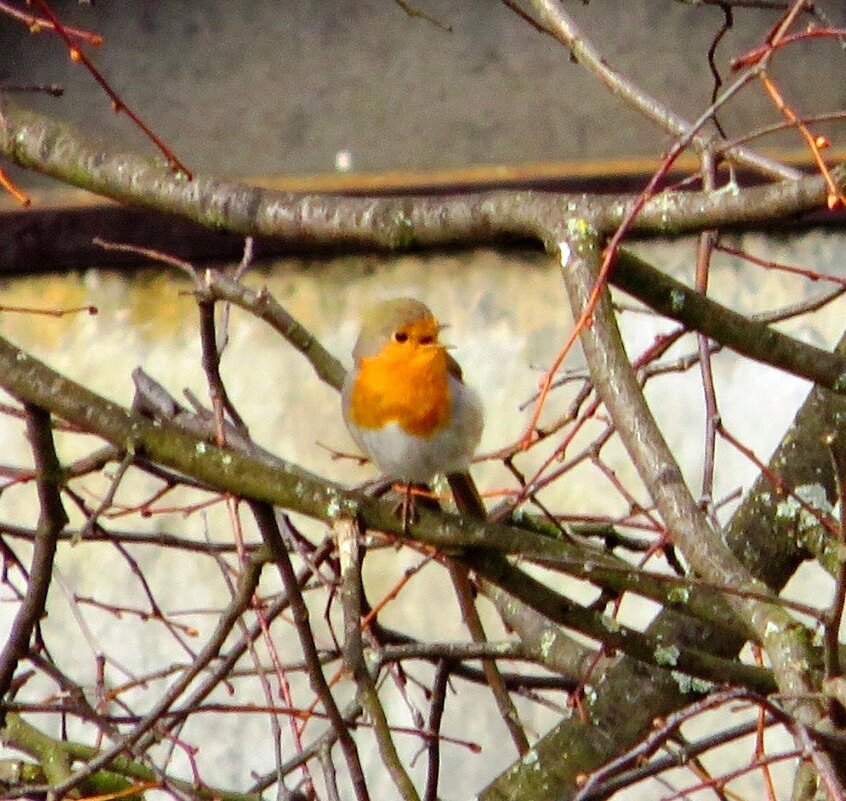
[{"x": 405, "y": 402}]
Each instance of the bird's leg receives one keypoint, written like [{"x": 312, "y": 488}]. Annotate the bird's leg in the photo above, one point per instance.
[
  {"x": 377, "y": 487},
  {"x": 407, "y": 509}
]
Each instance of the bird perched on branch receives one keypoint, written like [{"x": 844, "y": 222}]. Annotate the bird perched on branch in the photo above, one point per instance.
[{"x": 405, "y": 402}]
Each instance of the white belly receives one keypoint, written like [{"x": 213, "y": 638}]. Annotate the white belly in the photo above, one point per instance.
[{"x": 403, "y": 457}]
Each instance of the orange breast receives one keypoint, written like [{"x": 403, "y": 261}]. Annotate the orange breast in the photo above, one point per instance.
[{"x": 411, "y": 389}]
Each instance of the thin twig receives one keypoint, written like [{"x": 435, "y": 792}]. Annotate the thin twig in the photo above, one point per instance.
[
  {"x": 76, "y": 54},
  {"x": 347, "y": 533},
  {"x": 707, "y": 241},
  {"x": 91, "y": 521},
  {"x": 436, "y": 711},
  {"x": 211, "y": 366},
  {"x": 272, "y": 537},
  {"x": 52, "y": 519},
  {"x": 508, "y": 712},
  {"x": 229, "y": 618}
]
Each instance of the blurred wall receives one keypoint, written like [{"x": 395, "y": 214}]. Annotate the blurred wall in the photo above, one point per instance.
[{"x": 282, "y": 87}]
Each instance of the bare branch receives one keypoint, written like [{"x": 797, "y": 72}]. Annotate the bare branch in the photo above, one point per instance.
[
  {"x": 51, "y": 521},
  {"x": 273, "y": 539}
]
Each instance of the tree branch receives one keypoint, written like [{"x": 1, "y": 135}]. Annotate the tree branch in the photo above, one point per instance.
[
  {"x": 767, "y": 537},
  {"x": 51, "y": 521},
  {"x": 743, "y": 335},
  {"x": 787, "y": 643},
  {"x": 269, "y": 529},
  {"x": 347, "y": 534},
  {"x": 56, "y": 149}
]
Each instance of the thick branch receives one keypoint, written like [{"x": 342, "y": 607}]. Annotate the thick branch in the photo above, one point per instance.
[
  {"x": 644, "y": 646},
  {"x": 786, "y": 642},
  {"x": 748, "y": 337},
  {"x": 56, "y": 149},
  {"x": 292, "y": 488},
  {"x": 767, "y": 537}
]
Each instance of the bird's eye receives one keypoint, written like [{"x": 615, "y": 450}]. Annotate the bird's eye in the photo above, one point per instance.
[
  {"x": 400, "y": 336},
  {"x": 427, "y": 340}
]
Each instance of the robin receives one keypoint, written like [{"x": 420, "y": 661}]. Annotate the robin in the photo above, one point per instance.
[{"x": 404, "y": 402}]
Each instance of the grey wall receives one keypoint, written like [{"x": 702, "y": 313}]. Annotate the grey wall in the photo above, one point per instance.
[{"x": 269, "y": 87}]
